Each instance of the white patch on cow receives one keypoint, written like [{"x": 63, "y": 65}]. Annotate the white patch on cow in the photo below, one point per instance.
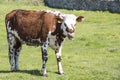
[
  {"x": 58, "y": 54},
  {"x": 11, "y": 40},
  {"x": 43, "y": 71},
  {"x": 60, "y": 68},
  {"x": 57, "y": 13},
  {"x": 52, "y": 40},
  {"x": 36, "y": 40},
  {"x": 69, "y": 22},
  {"x": 14, "y": 32}
]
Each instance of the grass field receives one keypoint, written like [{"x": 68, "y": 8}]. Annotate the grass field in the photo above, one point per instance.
[{"x": 94, "y": 54}]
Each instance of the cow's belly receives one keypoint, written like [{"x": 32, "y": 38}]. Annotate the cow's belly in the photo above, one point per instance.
[{"x": 33, "y": 42}]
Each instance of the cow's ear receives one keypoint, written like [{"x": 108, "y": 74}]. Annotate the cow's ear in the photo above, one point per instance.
[
  {"x": 59, "y": 19},
  {"x": 80, "y": 18}
]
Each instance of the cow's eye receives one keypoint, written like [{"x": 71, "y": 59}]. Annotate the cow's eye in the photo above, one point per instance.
[{"x": 65, "y": 24}]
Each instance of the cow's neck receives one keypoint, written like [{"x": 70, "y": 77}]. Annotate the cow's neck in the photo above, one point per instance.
[{"x": 59, "y": 32}]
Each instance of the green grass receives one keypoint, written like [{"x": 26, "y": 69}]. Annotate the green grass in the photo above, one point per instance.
[{"x": 94, "y": 54}]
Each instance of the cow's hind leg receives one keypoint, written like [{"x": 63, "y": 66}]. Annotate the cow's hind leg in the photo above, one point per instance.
[
  {"x": 58, "y": 56},
  {"x": 14, "y": 49},
  {"x": 17, "y": 47},
  {"x": 11, "y": 43}
]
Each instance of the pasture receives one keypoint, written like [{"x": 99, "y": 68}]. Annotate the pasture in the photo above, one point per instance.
[{"x": 94, "y": 54}]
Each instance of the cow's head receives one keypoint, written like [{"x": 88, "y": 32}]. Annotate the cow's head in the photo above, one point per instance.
[{"x": 69, "y": 23}]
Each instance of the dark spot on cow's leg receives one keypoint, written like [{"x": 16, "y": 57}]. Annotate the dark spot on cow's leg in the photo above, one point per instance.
[
  {"x": 59, "y": 59},
  {"x": 44, "y": 45}
]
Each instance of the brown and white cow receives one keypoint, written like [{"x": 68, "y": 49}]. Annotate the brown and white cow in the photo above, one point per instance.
[{"x": 38, "y": 28}]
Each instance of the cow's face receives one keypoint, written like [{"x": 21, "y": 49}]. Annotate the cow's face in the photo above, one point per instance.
[{"x": 69, "y": 23}]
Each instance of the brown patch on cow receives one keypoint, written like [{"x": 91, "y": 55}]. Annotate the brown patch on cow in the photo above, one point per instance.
[{"x": 32, "y": 24}]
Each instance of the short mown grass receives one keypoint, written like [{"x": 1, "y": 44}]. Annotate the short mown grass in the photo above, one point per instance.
[{"x": 94, "y": 54}]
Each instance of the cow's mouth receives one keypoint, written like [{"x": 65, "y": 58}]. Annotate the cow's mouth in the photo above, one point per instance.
[{"x": 70, "y": 37}]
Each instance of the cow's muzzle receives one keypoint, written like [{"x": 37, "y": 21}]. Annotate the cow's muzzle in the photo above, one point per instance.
[{"x": 71, "y": 36}]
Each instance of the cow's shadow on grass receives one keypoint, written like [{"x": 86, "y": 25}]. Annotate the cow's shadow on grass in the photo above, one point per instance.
[{"x": 32, "y": 72}]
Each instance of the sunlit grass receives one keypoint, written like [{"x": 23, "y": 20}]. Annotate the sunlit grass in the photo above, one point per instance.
[{"x": 94, "y": 54}]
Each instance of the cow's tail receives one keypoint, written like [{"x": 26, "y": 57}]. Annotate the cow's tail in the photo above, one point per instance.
[{"x": 6, "y": 24}]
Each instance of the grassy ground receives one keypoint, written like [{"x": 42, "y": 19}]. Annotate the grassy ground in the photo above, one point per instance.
[{"x": 94, "y": 54}]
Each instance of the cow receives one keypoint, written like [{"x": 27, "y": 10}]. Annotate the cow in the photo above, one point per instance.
[{"x": 38, "y": 28}]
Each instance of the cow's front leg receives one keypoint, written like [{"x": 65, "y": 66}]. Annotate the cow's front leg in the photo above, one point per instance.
[
  {"x": 44, "y": 58},
  {"x": 58, "y": 57}
]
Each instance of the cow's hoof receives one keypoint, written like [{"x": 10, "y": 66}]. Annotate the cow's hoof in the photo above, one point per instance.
[
  {"x": 61, "y": 73},
  {"x": 14, "y": 70},
  {"x": 44, "y": 75}
]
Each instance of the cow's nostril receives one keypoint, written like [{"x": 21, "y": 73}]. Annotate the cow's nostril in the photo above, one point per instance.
[{"x": 70, "y": 30}]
